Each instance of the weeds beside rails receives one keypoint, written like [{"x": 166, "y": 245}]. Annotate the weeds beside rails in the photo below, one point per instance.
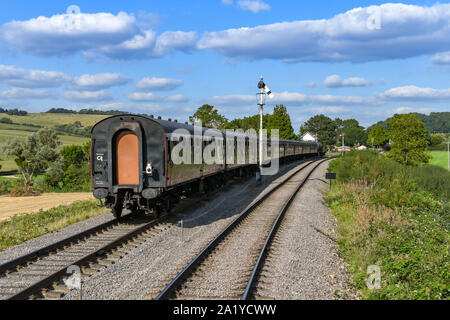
[
  {"x": 394, "y": 217},
  {"x": 26, "y": 226}
]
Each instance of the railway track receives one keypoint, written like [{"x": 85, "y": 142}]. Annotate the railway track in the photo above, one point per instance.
[
  {"x": 41, "y": 274},
  {"x": 246, "y": 239}
]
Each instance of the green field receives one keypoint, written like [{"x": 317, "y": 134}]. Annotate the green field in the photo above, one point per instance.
[
  {"x": 17, "y": 131},
  {"x": 51, "y": 119},
  {"x": 439, "y": 158}
]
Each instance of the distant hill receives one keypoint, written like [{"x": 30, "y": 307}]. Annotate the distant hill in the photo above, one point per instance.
[
  {"x": 436, "y": 122},
  {"x": 86, "y": 111}
]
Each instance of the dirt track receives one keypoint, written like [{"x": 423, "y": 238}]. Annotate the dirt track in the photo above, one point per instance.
[{"x": 10, "y": 206}]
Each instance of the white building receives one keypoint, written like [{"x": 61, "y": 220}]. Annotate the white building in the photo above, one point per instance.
[{"x": 307, "y": 137}]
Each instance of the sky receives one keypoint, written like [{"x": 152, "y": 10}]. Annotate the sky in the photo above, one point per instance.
[{"x": 349, "y": 59}]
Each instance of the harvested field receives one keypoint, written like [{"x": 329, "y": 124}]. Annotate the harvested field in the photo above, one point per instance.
[{"x": 10, "y": 206}]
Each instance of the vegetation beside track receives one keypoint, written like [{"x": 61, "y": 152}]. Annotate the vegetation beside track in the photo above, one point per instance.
[
  {"x": 396, "y": 217},
  {"x": 439, "y": 158},
  {"x": 26, "y": 226}
]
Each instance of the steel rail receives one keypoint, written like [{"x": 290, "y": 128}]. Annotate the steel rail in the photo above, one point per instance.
[
  {"x": 203, "y": 253},
  {"x": 273, "y": 230},
  {"x": 12, "y": 264},
  {"x": 47, "y": 281}
]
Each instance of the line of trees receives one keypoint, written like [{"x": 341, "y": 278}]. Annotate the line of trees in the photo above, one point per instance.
[
  {"x": 279, "y": 119},
  {"x": 404, "y": 135},
  {"x": 14, "y": 112}
]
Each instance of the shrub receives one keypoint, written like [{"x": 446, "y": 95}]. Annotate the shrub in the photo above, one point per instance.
[
  {"x": 6, "y": 186},
  {"x": 397, "y": 217},
  {"x": 6, "y": 120}
]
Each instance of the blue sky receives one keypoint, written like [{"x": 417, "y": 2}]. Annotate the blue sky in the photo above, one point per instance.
[{"x": 349, "y": 59}]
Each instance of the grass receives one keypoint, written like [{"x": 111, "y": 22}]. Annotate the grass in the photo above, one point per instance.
[
  {"x": 439, "y": 158},
  {"x": 26, "y": 226},
  {"x": 51, "y": 119},
  {"x": 395, "y": 217}
]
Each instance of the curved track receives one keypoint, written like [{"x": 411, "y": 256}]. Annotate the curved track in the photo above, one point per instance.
[
  {"x": 41, "y": 274},
  {"x": 246, "y": 239}
]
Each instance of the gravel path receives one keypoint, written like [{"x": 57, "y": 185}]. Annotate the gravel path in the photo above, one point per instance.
[
  {"x": 303, "y": 262},
  {"x": 147, "y": 269}
]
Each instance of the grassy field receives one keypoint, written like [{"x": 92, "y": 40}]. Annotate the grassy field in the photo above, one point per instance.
[
  {"x": 396, "y": 218},
  {"x": 439, "y": 158},
  {"x": 26, "y": 226},
  {"x": 15, "y": 131},
  {"x": 51, "y": 119}
]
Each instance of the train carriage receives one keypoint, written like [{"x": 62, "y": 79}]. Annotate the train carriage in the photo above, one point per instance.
[{"x": 132, "y": 165}]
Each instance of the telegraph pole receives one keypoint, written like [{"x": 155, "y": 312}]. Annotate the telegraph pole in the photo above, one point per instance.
[
  {"x": 342, "y": 135},
  {"x": 260, "y": 98},
  {"x": 448, "y": 155}
]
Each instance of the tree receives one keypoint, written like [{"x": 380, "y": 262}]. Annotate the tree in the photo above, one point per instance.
[
  {"x": 209, "y": 116},
  {"x": 280, "y": 120},
  {"x": 436, "y": 140},
  {"x": 251, "y": 122},
  {"x": 379, "y": 135},
  {"x": 71, "y": 170},
  {"x": 324, "y": 127},
  {"x": 35, "y": 154},
  {"x": 408, "y": 140},
  {"x": 354, "y": 133}
]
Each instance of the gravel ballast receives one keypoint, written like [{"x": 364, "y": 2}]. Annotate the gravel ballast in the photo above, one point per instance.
[
  {"x": 147, "y": 269},
  {"x": 303, "y": 262}
]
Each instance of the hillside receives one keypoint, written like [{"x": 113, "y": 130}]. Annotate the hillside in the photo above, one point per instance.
[
  {"x": 51, "y": 119},
  {"x": 23, "y": 126},
  {"x": 436, "y": 122}
]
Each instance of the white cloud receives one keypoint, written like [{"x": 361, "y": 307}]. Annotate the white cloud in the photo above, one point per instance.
[
  {"x": 177, "y": 98},
  {"x": 149, "y": 45},
  {"x": 161, "y": 84},
  {"x": 335, "y": 81},
  {"x": 415, "y": 93},
  {"x": 311, "y": 84},
  {"x": 151, "y": 97},
  {"x": 116, "y": 36},
  {"x": 31, "y": 78},
  {"x": 94, "y": 82},
  {"x": 253, "y": 5},
  {"x": 84, "y": 96},
  {"x": 329, "y": 110},
  {"x": 406, "y": 31},
  {"x": 20, "y": 93},
  {"x": 144, "y": 97},
  {"x": 227, "y": 2},
  {"x": 405, "y": 109},
  {"x": 441, "y": 58},
  {"x": 294, "y": 99},
  {"x": 64, "y": 34}
]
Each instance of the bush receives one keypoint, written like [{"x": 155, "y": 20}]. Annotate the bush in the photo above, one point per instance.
[
  {"x": 20, "y": 189},
  {"x": 71, "y": 173},
  {"x": 396, "y": 217},
  {"x": 6, "y": 120},
  {"x": 6, "y": 186},
  {"x": 380, "y": 171}
]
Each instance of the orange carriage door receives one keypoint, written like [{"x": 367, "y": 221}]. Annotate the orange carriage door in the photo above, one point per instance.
[{"x": 127, "y": 158}]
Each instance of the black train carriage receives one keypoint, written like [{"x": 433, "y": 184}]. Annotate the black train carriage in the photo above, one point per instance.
[{"x": 132, "y": 168}]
